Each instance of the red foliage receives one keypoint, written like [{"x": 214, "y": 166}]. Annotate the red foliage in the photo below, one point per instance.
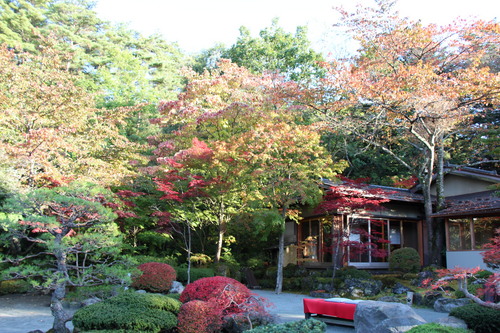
[
  {"x": 492, "y": 256},
  {"x": 156, "y": 277},
  {"x": 352, "y": 196},
  {"x": 198, "y": 316},
  {"x": 230, "y": 295}
]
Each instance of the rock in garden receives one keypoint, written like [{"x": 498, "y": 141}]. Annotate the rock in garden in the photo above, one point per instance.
[
  {"x": 446, "y": 304},
  {"x": 360, "y": 287},
  {"x": 90, "y": 301},
  {"x": 430, "y": 297},
  {"x": 452, "y": 322},
  {"x": 400, "y": 289},
  {"x": 176, "y": 288},
  {"x": 390, "y": 299},
  {"x": 384, "y": 317}
]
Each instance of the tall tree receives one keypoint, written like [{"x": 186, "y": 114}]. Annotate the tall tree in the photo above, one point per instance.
[
  {"x": 288, "y": 166},
  {"x": 49, "y": 127},
  {"x": 274, "y": 50},
  {"x": 411, "y": 85},
  {"x": 219, "y": 108}
]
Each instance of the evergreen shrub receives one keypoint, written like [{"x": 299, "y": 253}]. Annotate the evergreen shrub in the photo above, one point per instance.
[
  {"x": 14, "y": 287},
  {"x": 352, "y": 273},
  {"x": 196, "y": 273},
  {"x": 155, "y": 277},
  {"x": 405, "y": 260},
  {"x": 472, "y": 288},
  {"x": 479, "y": 318},
  {"x": 305, "y": 325},
  {"x": 436, "y": 328},
  {"x": 129, "y": 312}
]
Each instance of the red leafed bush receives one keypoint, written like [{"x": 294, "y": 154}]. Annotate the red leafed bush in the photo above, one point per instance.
[
  {"x": 227, "y": 292},
  {"x": 236, "y": 304},
  {"x": 199, "y": 317},
  {"x": 156, "y": 277}
]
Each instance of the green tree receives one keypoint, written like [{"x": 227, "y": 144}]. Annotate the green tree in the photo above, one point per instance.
[
  {"x": 20, "y": 21},
  {"x": 274, "y": 50},
  {"x": 288, "y": 165},
  {"x": 73, "y": 240}
]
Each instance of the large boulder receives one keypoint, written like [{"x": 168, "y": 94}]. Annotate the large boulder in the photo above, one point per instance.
[
  {"x": 383, "y": 317},
  {"x": 446, "y": 304}
]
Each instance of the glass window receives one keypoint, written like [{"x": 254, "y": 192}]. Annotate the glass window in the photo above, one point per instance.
[
  {"x": 484, "y": 230},
  {"x": 459, "y": 234}
]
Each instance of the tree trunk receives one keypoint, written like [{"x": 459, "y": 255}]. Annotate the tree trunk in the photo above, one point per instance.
[
  {"x": 338, "y": 237},
  {"x": 431, "y": 255},
  {"x": 440, "y": 201},
  {"x": 220, "y": 241},
  {"x": 189, "y": 240},
  {"x": 281, "y": 256},
  {"x": 61, "y": 317}
]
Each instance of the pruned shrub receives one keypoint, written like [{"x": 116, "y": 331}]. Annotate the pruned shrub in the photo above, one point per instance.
[
  {"x": 229, "y": 296},
  {"x": 155, "y": 277},
  {"x": 199, "y": 317},
  {"x": 130, "y": 312},
  {"x": 405, "y": 260},
  {"x": 436, "y": 328},
  {"x": 479, "y": 318},
  {"x": 223, "y": 288},
  {"x": 352, "y": 273},
  {"x": 305, "y": 325},
  {"x": 14, "y": 287}
]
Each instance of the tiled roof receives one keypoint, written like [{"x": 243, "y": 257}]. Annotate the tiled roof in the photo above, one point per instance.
[
  {"x": 391, "y": 193},
  {"x": 482, "y": 203}
]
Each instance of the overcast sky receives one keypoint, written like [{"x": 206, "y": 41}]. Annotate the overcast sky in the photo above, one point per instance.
[{"x": 200, "y": 24}]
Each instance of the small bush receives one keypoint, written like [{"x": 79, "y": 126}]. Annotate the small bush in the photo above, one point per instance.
[
  {"x": 305, "y": 325},
  {"x": 483, "y": 274},
  {"x": 352, "y": 273},
  {"x": 228, "y": 295},
  {"x": 102, "y": 292},
  {"x": 199, "y": 317},
  {"x": 472, "y": 288},
  {"x": 479, "y": 318},
  {"x": 196, "y": 274},
  {"x": 406, "y": 260},
  {"x": 225, "y": 289},
  {"x": 14, "y": 287},
  {"x": 436, "y": 328},
  {"x": 156, "y": 277},
  {"x": 129, "y": 312}
]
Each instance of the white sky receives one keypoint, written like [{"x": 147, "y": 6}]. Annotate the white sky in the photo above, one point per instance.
[{"x": 200, "y": 24}]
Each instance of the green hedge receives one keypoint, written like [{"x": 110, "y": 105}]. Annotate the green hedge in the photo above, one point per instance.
[
  {"x": 436, "y": 328},
  {"x": 196, "y": 273},
  {"x": 479, "y": 318},
  {"x": 305, "y": 326},
  {"x": 130, "y": 312},
  {"x": 14, "y": 287}
]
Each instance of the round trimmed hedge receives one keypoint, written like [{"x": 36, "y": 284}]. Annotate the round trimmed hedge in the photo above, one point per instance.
[
  {"x": 156, "y": 277},
  {"x": 130, "y": 312}
]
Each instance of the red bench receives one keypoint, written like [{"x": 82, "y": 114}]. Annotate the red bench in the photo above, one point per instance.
[{"x": 331, "y": 310}]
